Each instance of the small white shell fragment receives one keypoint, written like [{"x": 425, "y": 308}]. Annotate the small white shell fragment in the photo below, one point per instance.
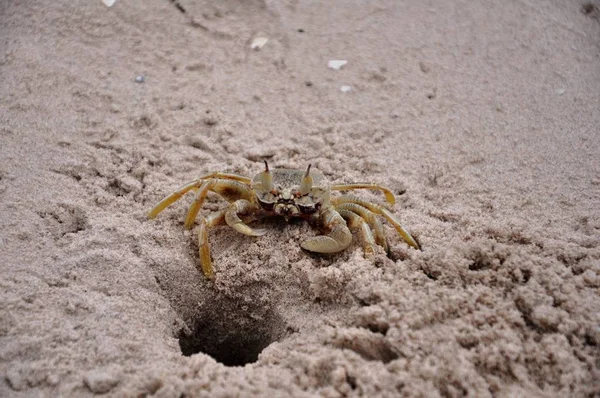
[
  {"x": 560, "y": 91},
  {"x": 346, "y": 89},
  {"x": 336, "y": 63},
  {"x": 109, "y": 3},
  {"x": 258, "y": 43}
]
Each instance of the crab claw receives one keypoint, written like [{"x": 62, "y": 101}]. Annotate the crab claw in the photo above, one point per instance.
[{"x": 339, "y": 236}]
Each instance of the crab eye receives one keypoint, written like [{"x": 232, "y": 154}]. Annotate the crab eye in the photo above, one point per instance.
[
  {"x": 307, "y": 182},
  {"x": 266, "y": 179}
]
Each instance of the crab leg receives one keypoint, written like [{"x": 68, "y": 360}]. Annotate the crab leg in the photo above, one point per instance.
[
  {"x": 389, "y": 195},
  {"x": 232, "y": 218},
  {"x": 227, "y": 189},
  {"x": 371, "y": 218},
  {"x": 382, "y": 211},
  {"x": 173, "y": 197},
  {"x": 197, "y": 204},
  {"x": 192, "y": 185},
  {"x": 229, "y": 216},
  {"x": 338, "y": 238},
  {"x": 203, "y": 247},
  {"x": 357, "y": 222},
  {"x": 226, "y": 176}
]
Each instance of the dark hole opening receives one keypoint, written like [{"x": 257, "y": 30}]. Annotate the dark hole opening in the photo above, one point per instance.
[{"x": 231, "y": 333}]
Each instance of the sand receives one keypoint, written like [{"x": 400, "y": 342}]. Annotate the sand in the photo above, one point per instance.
[{"x": 482, "y": 117}]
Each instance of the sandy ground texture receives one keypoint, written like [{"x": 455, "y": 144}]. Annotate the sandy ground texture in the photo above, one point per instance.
[{"x": 483, "y": 118}]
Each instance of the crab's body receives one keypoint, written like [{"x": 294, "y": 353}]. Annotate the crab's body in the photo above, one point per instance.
[
  {"x": 285, "y": 199},
  {"x": 290, "y": 194}
]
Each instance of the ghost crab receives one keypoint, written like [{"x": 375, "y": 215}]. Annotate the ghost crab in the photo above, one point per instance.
[{"x": 291, "y": 194}]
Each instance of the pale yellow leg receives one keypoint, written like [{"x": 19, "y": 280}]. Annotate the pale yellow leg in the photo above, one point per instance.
[
  {"x": 204, "y": 250},
  {"x": 382, "y": 211},
  {"x": 233, "y": 190},
  {"x": 232, "y": 218},
  {"x": 339, "y": 236},
  {"x": 229, "y": 190},
  {"x": 173, "y": 197},
  {"x": 389, "y": 195},
  {"x": 357, "y": 222},
  {"x": 371, "y": 218},
  {"x": 226, "y": 176},
  {"x": 192, "y": 185},
  {"x": 203, "y": 247},
  {"x": 197, "y": 204}
]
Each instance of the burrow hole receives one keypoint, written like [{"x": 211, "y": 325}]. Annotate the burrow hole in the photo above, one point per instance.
[{"x": 232, "y": 331}]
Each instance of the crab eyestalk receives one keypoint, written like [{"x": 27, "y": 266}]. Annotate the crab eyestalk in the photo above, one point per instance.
[
  {"x": 307, "y": 182},
  {"x": 266, "y": 179}
]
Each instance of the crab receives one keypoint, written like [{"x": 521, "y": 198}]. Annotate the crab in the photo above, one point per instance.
[{"x": 288, "y": 193}]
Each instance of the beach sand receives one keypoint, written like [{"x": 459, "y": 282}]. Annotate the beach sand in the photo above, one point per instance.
[{"x": 482, "y": 117}]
